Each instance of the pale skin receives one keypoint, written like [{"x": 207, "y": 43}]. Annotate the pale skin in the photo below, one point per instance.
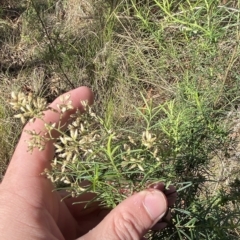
[{"x": 30, "y": 209}]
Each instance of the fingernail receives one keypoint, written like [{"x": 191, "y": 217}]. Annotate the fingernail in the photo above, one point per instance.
[{"x": 155, "y": 204}]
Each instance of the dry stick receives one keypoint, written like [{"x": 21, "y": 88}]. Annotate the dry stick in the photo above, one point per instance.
[
  {"x": 233, "y": 59},
  {"x": 52, "y": 46}
]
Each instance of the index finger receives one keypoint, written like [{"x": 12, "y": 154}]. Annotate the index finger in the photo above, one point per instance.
[{"x": 25, "y": 164}]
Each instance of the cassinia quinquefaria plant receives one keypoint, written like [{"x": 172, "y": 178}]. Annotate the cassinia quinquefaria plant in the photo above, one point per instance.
[{"x": 113, "y": 163}]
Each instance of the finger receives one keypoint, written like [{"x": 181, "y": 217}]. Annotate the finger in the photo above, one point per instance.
[
  {"x": 132, "y": 218},
  {"x": 86, "y": 215},
  {"x": 23, "y": 177},
  {"x": 90, "y": 221},
  {"x": 24, "y": 163},
  {"x": 167, "y": 217},
  {"x": 159, "y": 226},
  {"x": 80, "y": 206},
  {"x": 170, "y": 193},
  {"x": 158, "y": 185}
]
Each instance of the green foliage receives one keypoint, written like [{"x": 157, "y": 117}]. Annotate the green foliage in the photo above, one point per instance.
[{"x": 173, "y": 143}]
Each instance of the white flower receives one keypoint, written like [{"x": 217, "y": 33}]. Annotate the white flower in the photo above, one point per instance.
[{"x": 147, "y": 139}]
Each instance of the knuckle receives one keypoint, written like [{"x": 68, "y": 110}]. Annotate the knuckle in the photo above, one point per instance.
[{"x": 127, "y": 226}]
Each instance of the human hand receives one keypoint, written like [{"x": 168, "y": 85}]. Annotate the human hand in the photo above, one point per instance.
[{"x": 29, "y": 209}]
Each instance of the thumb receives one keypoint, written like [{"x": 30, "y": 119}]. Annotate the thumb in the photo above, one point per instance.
[{"x": 132, "y": 218}]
